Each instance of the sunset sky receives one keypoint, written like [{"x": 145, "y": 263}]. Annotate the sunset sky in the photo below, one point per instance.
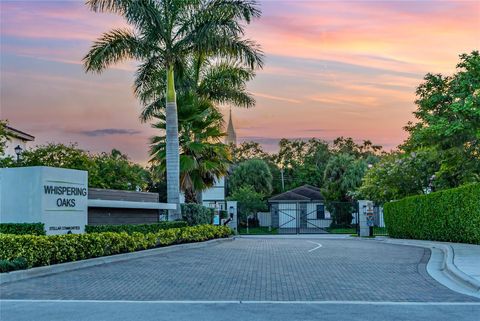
[{"x": 333, "y": 68}]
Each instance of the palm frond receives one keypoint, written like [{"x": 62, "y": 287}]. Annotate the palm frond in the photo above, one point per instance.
[{"x": 112, "y": 47}]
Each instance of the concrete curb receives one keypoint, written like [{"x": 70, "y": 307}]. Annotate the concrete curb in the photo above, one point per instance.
[
  {"x": 76, "y": 265},
  {"x": 447, "y": 265}
]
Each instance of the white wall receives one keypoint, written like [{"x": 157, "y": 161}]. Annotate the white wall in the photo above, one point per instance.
[
  {"x": 216, "y": 193},
  {"x": 24, "y": 198}
]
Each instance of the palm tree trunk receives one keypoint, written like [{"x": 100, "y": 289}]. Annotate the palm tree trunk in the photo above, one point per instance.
[
  {"x": 199, "y": 197},
  {"x": 173, "y": 154}
]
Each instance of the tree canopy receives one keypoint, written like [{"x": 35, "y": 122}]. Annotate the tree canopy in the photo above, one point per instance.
[
  {"x": 105, "y": 170},
  {"x": 254, "y": 173}
]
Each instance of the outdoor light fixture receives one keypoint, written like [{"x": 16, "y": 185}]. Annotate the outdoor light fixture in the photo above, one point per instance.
[
  {"x": 230, "y": 211},
  {"x": 18, "y": 151}
]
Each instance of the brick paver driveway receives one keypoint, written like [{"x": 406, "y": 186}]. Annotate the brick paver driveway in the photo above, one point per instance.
[{"x": 253, "y": 270}]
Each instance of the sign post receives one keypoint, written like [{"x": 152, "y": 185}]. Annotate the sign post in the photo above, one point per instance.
[{"x": 57, "y": 197}]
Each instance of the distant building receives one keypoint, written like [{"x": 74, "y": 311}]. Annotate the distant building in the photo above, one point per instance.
[
  {"x": 16, "y": 138},
  {"x": 300, "y": 210},
  {"x": 231, "y": 135}
]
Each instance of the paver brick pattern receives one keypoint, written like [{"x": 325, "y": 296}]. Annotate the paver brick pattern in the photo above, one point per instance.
[{"x": 253, "y": 270}]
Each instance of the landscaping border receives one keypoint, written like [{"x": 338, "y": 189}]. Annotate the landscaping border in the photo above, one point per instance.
[{"x": 14, "y": 276}]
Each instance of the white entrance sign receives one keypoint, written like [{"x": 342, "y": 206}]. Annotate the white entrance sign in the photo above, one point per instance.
[{"x": 57, "y": 197}]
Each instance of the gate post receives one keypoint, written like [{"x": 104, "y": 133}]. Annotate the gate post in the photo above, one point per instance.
[
  {"x": 232, "y": 212},
  {"x": 364, "y": 207}
]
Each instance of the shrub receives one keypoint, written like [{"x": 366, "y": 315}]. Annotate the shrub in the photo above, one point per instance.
[
  {"x": 195, "y": 214},
  {"x": 45, "y": 250},
  {"x": 16, "y": 264},
  {"x": 22, "y": 228},
  {"x": 451, "y": 215},
  {"x": 131, "y": 228}
]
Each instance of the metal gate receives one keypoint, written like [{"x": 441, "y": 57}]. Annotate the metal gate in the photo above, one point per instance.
[
  {"x": 312, "y": 218},
  {"x": 300, "y": 218}
]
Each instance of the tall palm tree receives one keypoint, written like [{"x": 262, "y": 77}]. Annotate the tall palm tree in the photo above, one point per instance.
[
  {"x": 165, "y": 33},
  {"x": 202, "y": 85},
  {"x": 203, "y": 157}
]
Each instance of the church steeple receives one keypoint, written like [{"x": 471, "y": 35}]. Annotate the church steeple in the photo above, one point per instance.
[{"x": 231, "y": 135}]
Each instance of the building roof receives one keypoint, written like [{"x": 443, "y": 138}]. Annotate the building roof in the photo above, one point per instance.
[
  {"x": 19, "y": 134},
  {"x": 303, "y": 193}
]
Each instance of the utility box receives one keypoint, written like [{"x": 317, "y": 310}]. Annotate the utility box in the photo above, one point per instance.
[{"x": 57, "y": 197}]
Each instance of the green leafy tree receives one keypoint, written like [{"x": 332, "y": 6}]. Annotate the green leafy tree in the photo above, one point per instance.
[
  {"x": 303, "y": 162},
  {"x": 254, "y": 173},
  {"x": 348, "y": 146},
  {"x": 249, "y": 201},
  {"x": 3, "y": 136},
  {"x": 115, "y": 171},
  {"x": 203, "y": 157},
  {"x": 165, "y": 34},
  {"x": 105, "y": 170},
  {"x": 58, "y": 155},
  {"x": 248, "y": 150},
  {"x": 343, "y": 175},
  {"x": 448, "y": 117},
  {"x": 399, "y": 175},
  {"x": 5, "y": 161}
]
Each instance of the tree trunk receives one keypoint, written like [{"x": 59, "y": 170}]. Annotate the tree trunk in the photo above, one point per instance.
[
  {"x": 199, "y": 197},
  {"x": 190, "y": 196},
  {"x": 173, "y": 154}
]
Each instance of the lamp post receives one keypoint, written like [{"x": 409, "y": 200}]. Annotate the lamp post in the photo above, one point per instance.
[{"x": 18, "y": 151}]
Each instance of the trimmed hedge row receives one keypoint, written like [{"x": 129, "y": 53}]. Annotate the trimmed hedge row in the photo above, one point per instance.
[
  {"x": 451, "y": 215},
  {"x": 46, "y": 250},
  {"x": 195, "y": 214},
  {"x": 131, "y": 228},
  {"x": 22, "y": 228}
]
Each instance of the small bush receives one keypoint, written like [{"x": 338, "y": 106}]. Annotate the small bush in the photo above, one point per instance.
[
  {"x": 131, "y": 228},
  {"x": 451, "y": 215},
  {"x": 195, "y": 214},
  {"x": 22, "y": 228},
  {"x": 46, "y": 250},
  {"x": 16, "y": 264}
]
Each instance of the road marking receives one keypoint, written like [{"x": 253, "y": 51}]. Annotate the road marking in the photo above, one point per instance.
[
  {"x": 249, "y": 302},
  {"x": 316, "y": 248}
]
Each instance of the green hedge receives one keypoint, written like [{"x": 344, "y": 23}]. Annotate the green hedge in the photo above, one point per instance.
[
  {"x": 195, "y": 214},
  {"x": 22, "y": 228},
  {"x": 451, "y": 215},
  {"x": 46, "y": 250},
  {"x": 131, "y": 228}
]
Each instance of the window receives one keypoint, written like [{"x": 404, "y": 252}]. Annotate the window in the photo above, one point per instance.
[{"x": 320, "y": 212}]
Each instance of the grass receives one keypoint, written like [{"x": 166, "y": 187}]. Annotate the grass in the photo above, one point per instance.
[
  {"x": 257, "y": 230},
  {"x": 343, "y": 230}
]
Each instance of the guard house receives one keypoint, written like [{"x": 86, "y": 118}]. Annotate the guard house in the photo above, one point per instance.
[{"x": 300, "y": 210}]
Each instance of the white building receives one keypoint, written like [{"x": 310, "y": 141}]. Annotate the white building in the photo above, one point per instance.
[{"x": 16, "y": 140}]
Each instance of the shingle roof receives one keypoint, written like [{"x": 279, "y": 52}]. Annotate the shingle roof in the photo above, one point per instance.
[{"x": 302, "y": 193}]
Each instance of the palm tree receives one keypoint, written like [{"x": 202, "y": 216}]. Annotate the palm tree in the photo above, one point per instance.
[
  {"x": 203, "y": 157},
  {"x": 219, "y": 81},
  {"x": 165, "y": 33}
]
